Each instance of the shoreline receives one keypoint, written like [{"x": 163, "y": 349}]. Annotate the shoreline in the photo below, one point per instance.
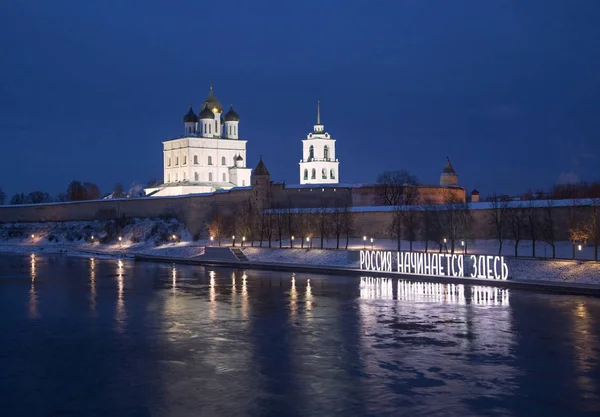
[{"x": 232, "y": 262}]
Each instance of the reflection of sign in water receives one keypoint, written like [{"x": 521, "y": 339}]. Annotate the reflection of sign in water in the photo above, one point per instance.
[
  {"x": 383, "y": 288},
  {"x": 435, "y": 264}
]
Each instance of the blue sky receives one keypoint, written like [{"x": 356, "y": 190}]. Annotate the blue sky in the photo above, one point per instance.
[{"x": 510, "y": 90}]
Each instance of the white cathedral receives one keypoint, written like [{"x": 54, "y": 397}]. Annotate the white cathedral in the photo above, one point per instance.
[{"x": 209, "y": 156}]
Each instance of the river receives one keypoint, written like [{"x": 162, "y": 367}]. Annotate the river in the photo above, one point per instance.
[{"x": 104, "y": 337}]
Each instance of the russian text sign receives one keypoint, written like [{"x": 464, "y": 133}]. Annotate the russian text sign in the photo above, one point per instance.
[{"x": 435, "y": 264}]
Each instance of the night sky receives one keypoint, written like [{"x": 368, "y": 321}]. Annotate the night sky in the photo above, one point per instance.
[{"x": 510, "y": 90}]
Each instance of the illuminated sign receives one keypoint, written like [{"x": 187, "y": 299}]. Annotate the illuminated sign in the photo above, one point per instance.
[{"x": 435, "y": 264}]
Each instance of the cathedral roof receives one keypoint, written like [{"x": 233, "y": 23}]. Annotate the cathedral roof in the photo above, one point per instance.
[
  {"x": 448, "y": 168},
  {"x": 212, "y": 103},
  {"x": 206, "y": 113},
  {"x": 232, "y": 116},
  {"x": 261, "y": 168},
  {"x": 190, "y": 116}
]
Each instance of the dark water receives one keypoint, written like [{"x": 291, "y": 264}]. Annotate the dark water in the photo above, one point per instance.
[{"x": 104, "y": 338}]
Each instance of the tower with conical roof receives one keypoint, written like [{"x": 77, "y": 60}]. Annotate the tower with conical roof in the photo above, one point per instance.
[
  {"x": 319, "y": 164},
  {"x": 449, "y": 176}
]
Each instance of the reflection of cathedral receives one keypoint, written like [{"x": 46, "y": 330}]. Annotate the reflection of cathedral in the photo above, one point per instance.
[{"x": 208, "y": 157}]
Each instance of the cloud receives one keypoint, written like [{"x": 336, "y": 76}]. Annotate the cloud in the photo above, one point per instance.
[{"x": 567, "y": 178}]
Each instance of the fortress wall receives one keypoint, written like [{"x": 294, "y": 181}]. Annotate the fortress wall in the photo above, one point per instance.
[{"x": 196, "y": 210}]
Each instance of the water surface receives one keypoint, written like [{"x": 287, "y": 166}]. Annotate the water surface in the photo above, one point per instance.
[{"x": 122, "y": 338}]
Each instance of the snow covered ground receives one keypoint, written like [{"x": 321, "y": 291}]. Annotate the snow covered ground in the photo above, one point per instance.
[{"x": 169, "y": 238}]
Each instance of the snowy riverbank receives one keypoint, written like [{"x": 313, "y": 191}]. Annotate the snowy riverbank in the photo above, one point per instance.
[{"x": 170, "y": 240}]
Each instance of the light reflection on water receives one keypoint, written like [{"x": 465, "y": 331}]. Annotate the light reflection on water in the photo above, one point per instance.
[{"x": 184, "y": 340}]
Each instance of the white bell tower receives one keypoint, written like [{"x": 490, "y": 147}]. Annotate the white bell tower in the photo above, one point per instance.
[{"x": 319, "y": 164}]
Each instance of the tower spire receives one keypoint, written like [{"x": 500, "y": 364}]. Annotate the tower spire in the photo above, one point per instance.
[{"x": 319, "y": 112}]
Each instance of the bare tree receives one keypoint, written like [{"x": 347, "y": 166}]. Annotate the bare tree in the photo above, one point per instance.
[
  {"x": 548, "y": 228},
  {"x": 37, "y": 197},
  {"x": 577, "y": 234},
  {"x": 322, "y": 220},
  {"x": 280, "y": 223},
  {"x": 348, "y": 221},
  {"x": 393, "y": 185},
  {"x": 534, "y": 226},
  {"x": 215, "y": 224},
  {"x": 337, "y": 223},
  {"x": 410, "y": 217},
  {"x": 432, "y": 228},
  {"x": 592, "y": 225},
  {"x": 455, "y": 218},
  {"x": 303, "y": 223},
  {"x": 516, "y": 224},
  {"x": 119, "y": 191},
  {"x": 497, "y": 218}
]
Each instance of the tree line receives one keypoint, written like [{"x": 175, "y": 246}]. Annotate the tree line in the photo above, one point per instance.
[
  {"x": 300, "y": 228},
  {"x": 76, "y": 191}
]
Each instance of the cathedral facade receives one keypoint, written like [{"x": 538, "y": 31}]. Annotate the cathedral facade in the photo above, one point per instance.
[{"x": 209, "y": 156}]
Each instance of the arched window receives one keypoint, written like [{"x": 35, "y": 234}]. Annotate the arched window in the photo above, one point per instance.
[
  {"x": 176, "y": 177},
  {"x": 223, "y": 162},
  {"x": 314, "y": 174},
  {"x": 209, "y": 160},
  {"x": 326, "y": 153},
  {"x": 195, "y": 176},
  {"x": 235, "y": 130},
  {"x": 332, "y": 174},
  {"x": 204, "y": 124},
  {"x": 196, "y": 159},
  {"x": 169, "y": 163},
  {"x": 323, "y": 174},
  {"x": 184, "y": 176},
  {"x": 311, "y": 153},
  {"x": 184, "y": 159},
  {"x": 224, "y": 177},
  {"x": 210, "y": 176},
  {"x": 176, "y": 160},
  {"x": 306, "y": 174}
]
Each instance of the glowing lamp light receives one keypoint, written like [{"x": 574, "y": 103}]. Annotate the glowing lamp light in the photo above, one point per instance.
[
  {"x": 233, "y": 237},
  {"x": 32, "y": 236},
  {"x": 462, "y": 243},
  {"x": 243, "y": 238},
  {"x": 120, "y": 238},
  {"x": 292, "y": 237},
  {"x": 92, "y": 237},
  {"x": 308, "y": 239},
  {"x": 371, "y": 240},
  {"x": 578, "y": 247},
  {"x": 445, "y": 240},
  {"x": 212, "y": 238},
  {"x": 364, "y": 238}
]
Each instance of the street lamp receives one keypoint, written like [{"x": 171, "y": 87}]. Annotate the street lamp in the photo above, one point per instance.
[
  {"x": 243, "y": 240},
  {"x": 579, "y": 247},
  {"x": 308, "y": 240},
  {"x": 120, "y": 239},
  {"x": 292, "y": 242},
  {"x": 32, "y": 236},
  {"x": 371, "y": 243},
  {"x": 174, "y": 238},
  {"x": 364, "y": 242},
  {"x": 233, "y": 240},
  {"x": 462, "y": 243}
]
